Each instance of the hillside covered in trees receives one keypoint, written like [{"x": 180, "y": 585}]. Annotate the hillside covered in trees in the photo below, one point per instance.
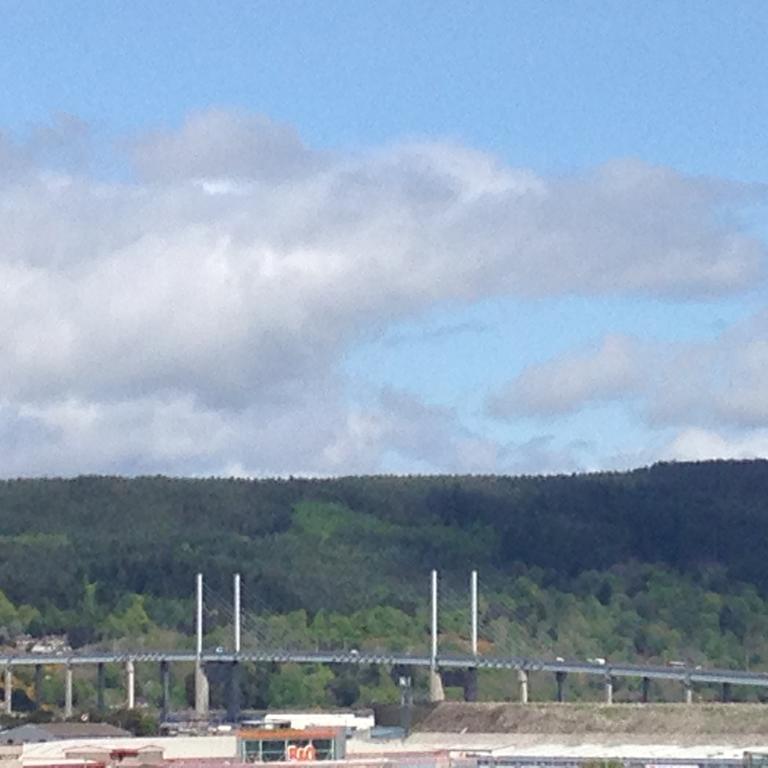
[{"x": 657, "y": 564}]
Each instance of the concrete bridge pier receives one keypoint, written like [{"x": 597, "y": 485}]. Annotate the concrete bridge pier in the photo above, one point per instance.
[
  {"x": 101, "y": 684},
  {"x": 522, "y": 679},
  {"x": 688, "y": 692},
  {"x": 645, "y": 690},
  {"x": 726, "y": 693},
  {"x": 470, "y": 684},
  {"x": 233, "y": 692},
  {"x": 165, "y": 685},
  {"x": 8, "y": 690},
  {"x": 406, "y": 703},
  {"x": 130, "y": 684},
  {"x": 68, "y": 708},
  {"x": 38, "y": 686},
  {"x": 560, "y": 678},
  {"x": 608, "y": 689},
  {"x": 202, "y": 690},
  {"x": 436, "y": 691}
]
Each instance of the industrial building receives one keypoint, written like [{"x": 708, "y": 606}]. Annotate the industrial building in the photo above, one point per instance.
[{"x": 280, "y": 745}]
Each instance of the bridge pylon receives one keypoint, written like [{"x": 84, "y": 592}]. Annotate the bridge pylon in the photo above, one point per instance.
[{"x": 202, "y": 687}]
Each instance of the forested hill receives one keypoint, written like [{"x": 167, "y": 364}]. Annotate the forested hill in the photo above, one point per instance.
[{"x": 615, "y": 552}]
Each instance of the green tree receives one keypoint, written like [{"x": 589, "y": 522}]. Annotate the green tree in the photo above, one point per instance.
[{"x": 297, "y": 685}]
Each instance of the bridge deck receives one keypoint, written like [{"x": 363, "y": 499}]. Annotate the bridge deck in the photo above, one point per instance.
[{"x": 608, "y": 670}]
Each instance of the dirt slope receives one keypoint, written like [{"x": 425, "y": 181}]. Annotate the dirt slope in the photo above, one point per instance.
[{"x": 636, "y": 719}]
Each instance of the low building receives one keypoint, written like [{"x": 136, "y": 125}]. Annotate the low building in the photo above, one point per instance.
[
  {"x": 51, "y": 645},
  {"x": 35, "y": 733},
  {"x": 281, "y": 745},
  {"x": 122, "y": 756},
  {"x": 351, "y": 720},
  {"x": 10, "y": 756},
  {"x": 181, "y": 750}
]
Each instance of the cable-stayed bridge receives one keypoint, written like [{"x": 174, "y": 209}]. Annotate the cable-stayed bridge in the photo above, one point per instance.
[{"x": 461, "y": 668}]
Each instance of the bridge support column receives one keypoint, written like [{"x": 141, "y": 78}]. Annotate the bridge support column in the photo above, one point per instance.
[
  {"x": 522, "y": 679},
  {"x": 165, "y": 686},
  {"x": 436, "y": 692},
  {"x": 130, "y": 684},
  {"x": 38, "y": 686},
  {"x": 645, "y": 690},
  {"x": 8, "y": 690},
  {"x": 68, "y": 708},
  {"x": 101, "y": 683},
  {"x": 688, "y": 692},
  {"x": 406, "y": 703},
  {"x": 233, "y": 692},
  {"x": 470, "y": 684},
  {"x": 202, "y": 690},
  {"x": 560, "y": 678},
  {"x": 727, "y": 692},
  {"x": 608, "y": 689}
]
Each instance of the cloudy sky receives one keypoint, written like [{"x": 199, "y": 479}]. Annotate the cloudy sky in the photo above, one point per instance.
[{"x": 321, "y": 238}]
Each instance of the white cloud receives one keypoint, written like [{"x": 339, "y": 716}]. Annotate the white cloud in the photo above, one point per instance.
[
  {"x": 609, "y": 371},
  {"x": 721, "y": 383},
  {"x": 714, "y": 393},
  {"x": 313, "y": 435},
  {"x": 700, "y": 444},
  {"x": 194, "y": 318},
  {"x": 222, "y": 144}
]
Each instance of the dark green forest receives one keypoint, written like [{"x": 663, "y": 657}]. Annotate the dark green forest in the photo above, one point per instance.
[{"x": 658, "y": 564}]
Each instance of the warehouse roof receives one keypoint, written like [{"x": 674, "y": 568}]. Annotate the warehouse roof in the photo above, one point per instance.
[{"x": 36, "y": 732}]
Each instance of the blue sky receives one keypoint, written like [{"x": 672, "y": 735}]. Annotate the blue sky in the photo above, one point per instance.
[
  {"x": 552, "y": 85},
  {"x": 497, "y": 236}
]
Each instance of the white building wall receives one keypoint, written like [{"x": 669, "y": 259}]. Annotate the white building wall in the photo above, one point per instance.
[
  {"x": 174, "y": 747},
  {"x": 322, "y": 720}
]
